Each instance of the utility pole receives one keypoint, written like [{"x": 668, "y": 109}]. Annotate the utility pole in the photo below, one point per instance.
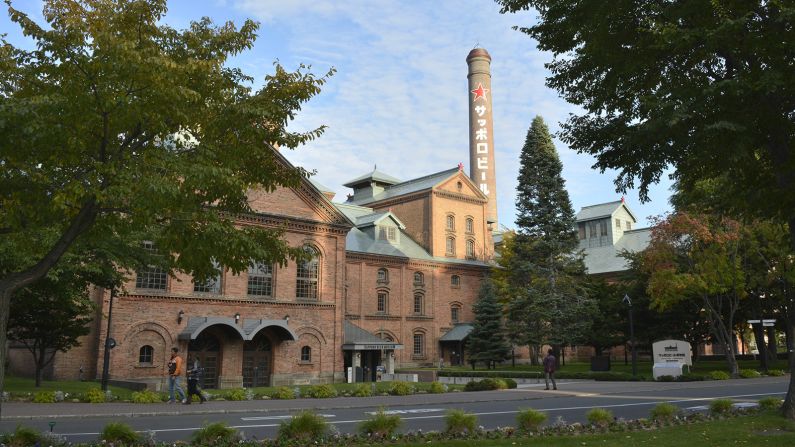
[{"x": 110, "y": 343}]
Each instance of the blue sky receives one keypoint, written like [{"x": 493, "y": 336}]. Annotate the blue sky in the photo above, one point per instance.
[{"x": 399, "y": 98}]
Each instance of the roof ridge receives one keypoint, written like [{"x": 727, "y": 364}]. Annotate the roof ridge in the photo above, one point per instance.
[
  {"x": 414, "y": 180},
  {"x": 600, "y": 204}
]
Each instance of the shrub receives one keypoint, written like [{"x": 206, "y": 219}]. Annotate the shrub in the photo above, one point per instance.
[
  {"x": 719, "y": 375},
  {"x": 119, "y": 433},
  {"x": 749, "y": 373},
  {"x": 691, "y": 377},
  {"x": 666, "y": 378},
  {"x": 304, "y": 426},
  {"x": 44, "y": 397},
  {"x": 363, "y": 390},
  {"x": 215, "y": 433},
  {"x": 459, "y": 421},
  {"x": 530, "y": 420},
  {"x": 721, "y": 406},
  {"x": 146, "y": 397},
  {"x": 775, "y": 372},
  {"x": 322, "y": 391},
  {"x": 486, "y": 384},
  {"x": 437, "y": 388},
  {"x": 381, "y": 425},
  {"x": 283, "y": 392},
  {"x": 236, "y": 394},
  {"x": 511, "y": 383},
  {"x": 401, "y": 389},
  {"x": 599, "y": 417},
  {"x": 664, "y": 412},
  {"x": 22, "y": 437},
  {"x": 770, "y": 403},
  {"x": 96, "y": 396}
]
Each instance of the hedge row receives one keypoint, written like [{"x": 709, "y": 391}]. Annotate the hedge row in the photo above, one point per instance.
[{"x": 606, "y": 376}]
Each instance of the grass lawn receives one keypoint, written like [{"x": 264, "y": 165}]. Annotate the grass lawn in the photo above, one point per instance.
[
  {"x": 758, "y": 430},
  {"x": 644, "y": 368},
  {"x": 19, "y": 386}
]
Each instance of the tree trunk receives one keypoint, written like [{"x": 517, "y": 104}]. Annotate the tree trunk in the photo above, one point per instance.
[
  {"x": 772, "y": 349},
  {"x": 5, "y": 305},
  {"x": 761, "y": 346},
  {"x": 789, "y": 401}
]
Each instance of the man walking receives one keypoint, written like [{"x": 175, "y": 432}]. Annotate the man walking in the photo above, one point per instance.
[
  {"x": 549, "y": 370},
  {"x": 174, "y": 372},
  {"x": 194, "y": 375}
]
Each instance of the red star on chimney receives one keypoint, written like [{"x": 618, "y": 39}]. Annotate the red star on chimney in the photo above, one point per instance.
[
  {"x": 460, "y": 166},
  {"x": 480, "y": 92}
]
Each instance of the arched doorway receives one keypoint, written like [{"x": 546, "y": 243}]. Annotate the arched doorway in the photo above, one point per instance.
[
  {"x": 207, "y": 349},
  {"x": 257, "y": 354}
]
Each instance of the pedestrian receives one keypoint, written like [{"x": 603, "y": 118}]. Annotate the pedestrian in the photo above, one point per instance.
[
  {"x": 174, "y": 373},
  {"x": 194, "y": 375},
  {"x": 550, "y": 362}
]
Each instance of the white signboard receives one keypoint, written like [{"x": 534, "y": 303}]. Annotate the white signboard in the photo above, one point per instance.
[{"x": 672, "y": 351}]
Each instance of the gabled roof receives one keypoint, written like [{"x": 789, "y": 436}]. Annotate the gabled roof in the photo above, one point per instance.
[
  {"x": 458, "y": 333},
  {"x": 375, "y": 175},
  {"x": 410, "y": 186},
  {"x": 602, "y": 210},
  {"x": 356, "y": 338},
  {"x": 377, "y": 218}
]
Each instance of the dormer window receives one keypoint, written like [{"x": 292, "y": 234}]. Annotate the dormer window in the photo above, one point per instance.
[{"x": 387, "y": 233}]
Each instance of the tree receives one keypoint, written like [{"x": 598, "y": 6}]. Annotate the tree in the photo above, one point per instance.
[
  {"x": 701, "y": 86},
  {"x": 545, "y": 271},
  {"x": 609, "y": 323},
  {"x": 49, "y": 316},
  {"x": 699, "y": 257},
  {"x": 118, "y": 129},
  {"x": 486, "y": 343}
]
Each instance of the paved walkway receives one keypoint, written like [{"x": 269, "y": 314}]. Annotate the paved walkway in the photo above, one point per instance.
[{"x": 28, "y": 410}]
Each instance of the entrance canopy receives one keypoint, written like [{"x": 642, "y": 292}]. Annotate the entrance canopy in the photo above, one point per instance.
[
  {"x": 247, "y": 330},
  {"x": 458, "y": 333},
  {"x": 357, "y": 339}
]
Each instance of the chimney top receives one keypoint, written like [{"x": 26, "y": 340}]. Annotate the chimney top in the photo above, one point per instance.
[{"x": 478, "y": 52}]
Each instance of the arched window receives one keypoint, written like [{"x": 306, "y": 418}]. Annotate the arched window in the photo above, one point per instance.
[
  {"x": 211, "y": 284},
  {"x": 450, "y": 247},
  {"x": 145, "y": 355},
  {"x": 383, "y": 276},
  {"x": 382, "y": 306},
  {"x": 260, "y": 280},
  {"x": 306, "y": 354},
  {"x": 419, "y": 304},
  {"x": 419, "y": 344},
  {"x": 455, "y": 281},
  {"x": 151, "y": 277},
  {"x": 470, "y": 248},
  {"x": 470, "y": 225},
  {"x": 307, "y": 275},
  {"x": 450, "y": 222},
  {"x": 419, "y": 279},
  {"x": 455, "y": 313}
]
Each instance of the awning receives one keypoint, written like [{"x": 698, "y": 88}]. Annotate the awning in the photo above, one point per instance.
[
  {"x": 247, "y": 331},
  {"x": 457, "y": 333},
  {"x": 357, "y": 339}
]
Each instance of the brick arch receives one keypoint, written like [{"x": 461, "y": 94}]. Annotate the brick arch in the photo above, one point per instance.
[
  {"x": 149, "y": 326},
  {"x": 395, "y": 338},
  {"x": 151, "y": 334},
  {"x": 309, "y": 330}
]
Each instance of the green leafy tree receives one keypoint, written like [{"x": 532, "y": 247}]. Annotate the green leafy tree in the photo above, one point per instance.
[
  {"x": 486, "y": 343},
  {"x": 699, "y": 257},
  {"x": 609, "y": 321},
  {"x": 117, "y": 129},
  {"x": 50, "y": 316},
  {"x": 702, "y": 86},
  {"x": 546, "y": 300}
]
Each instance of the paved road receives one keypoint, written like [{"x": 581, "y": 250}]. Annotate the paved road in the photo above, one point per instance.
[{"x": 83, "y": 422}]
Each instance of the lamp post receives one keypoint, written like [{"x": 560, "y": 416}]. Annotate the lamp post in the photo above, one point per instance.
[{"x": 628, "y": 302}]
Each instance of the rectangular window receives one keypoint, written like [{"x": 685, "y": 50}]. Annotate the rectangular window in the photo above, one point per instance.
[
  {"x": 151, "y": 277},
  {"x": 210, "y": 285},
  {"x": 470, "y": 226},
  {"x": 382, "y": 302},
  {"x": 592, "y": 229},
  {"x": 603, "y": 227},
  {"x": 260, "y": 280},
  {"x": 418, "y": 304},
  {"x": 391, "y": 233},
  {"x": 581, "y": 230},
  {"x": 419, "y": 344},
  {"x": 450, "y": 247},
  {"x": 629, "y": 226},
  {"x": 454, "y": 314},
  {"x": 618, "y": 224}
]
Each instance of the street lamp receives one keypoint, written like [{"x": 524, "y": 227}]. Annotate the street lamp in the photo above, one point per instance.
[
  {"x": 628, "y": 302},
  {"x": 110, "y": 343}
]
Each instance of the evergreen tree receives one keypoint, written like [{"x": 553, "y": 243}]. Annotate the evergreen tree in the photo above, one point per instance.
[
  {"x": 486, "y": 343},
  {"x": 546, "y": 301}
]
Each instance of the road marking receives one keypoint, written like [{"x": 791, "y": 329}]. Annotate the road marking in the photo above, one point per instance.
[
  {"x": 487, "y": 413},
  {"x": 735, "y": 405},
  {"x": 412, "y": 411},
  {"x": 286, "y": 416}
]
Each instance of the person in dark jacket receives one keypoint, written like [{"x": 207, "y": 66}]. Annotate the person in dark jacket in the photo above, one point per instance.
[
  {"x": 550, "y": 362},
  {"x": 194, "y": 376}
]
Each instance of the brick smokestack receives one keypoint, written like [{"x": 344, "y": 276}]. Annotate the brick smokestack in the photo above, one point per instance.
[{"x": 481, "y": 128}]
